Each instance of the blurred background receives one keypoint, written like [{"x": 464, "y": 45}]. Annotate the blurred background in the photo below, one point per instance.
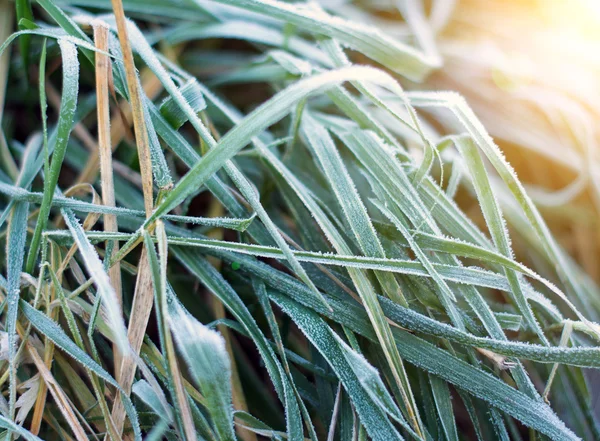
[{"x": 530, "y": 70}]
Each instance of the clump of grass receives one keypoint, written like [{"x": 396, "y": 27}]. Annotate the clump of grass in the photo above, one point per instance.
[{"x": 233, "y": 222}]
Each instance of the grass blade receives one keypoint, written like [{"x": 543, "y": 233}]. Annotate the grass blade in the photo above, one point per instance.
[
  {"x": 68, "y": 105},
  {"x": 208, "y": 361}
]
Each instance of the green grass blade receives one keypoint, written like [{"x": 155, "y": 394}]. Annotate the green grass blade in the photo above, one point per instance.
[
  {"x": 533, "y": 413},
  {"x": 331, "y": 163},
  {"x": 390, "y": 52},
  {"x": 158, "y": 267},
  {"x": 372, "y": 417},
  {"x": 213, "y": 280},
  {"x": 497, "y": 227},
  {"x": 20, "y": 194},
  {"x": 443, "y": 403},
  {"x": 101, "y": 280},
  {"x": 5, "y": 423},
  {"x": 67, "y": 111},
  {"x": 15, "y": 254},
  {"x": 205, "y": 353},
  {"x": 254, "y": 123}
]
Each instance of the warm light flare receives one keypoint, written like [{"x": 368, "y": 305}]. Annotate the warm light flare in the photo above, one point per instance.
[{"x": 531, "y": 71}]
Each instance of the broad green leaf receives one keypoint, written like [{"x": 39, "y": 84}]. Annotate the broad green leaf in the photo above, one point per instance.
[
  {"x": 207, "y": 359},
  {"x": 145, "y": 392},
  {"x": 173, "y": 113}
]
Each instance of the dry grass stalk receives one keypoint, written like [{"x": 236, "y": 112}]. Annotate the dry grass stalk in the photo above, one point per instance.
[
  {"x": 119, "y": 125},
  {"x": 143, "y": 296},
  {"x": 58, "y": 394},
  {"x": 105, "y": 153},
  {"x": 40, "y": 404}
]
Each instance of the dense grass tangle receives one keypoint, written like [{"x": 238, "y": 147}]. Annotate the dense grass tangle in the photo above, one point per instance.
[{"x": 259, "y": 219}]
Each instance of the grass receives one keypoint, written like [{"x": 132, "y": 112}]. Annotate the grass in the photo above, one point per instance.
[{"x": 252, "y": 219}]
